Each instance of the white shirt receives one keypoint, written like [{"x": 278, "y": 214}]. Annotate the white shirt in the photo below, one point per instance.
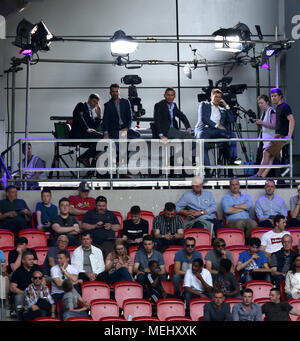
[
  {"x": 215, "y": 114},
  {"x": 272, "y": 240},
  {"x": 96, "y": 258},
  {"x": 191, "y": 281},
  {"x": 57, "y": 273}
]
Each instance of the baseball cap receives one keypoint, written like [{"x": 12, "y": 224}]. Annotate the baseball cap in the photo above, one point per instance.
[
  {"x": 197, "y": 180},
  {"x": 83, "y": 186},
  {"x": 101, "y": 198},
  {"x": 21, "y": 240}
]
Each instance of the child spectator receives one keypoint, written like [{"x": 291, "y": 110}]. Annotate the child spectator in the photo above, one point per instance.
[{"x": 45, "y": 210}]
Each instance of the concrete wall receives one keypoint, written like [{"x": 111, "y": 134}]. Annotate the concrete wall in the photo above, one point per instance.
[{"x": 56, "y": 88}]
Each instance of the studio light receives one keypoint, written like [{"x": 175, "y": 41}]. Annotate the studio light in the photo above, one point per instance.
[
  {"x": 273, "y": 50},
  {"x": 35, "y": 37},
  {"x": 122, "y": 45},
  {"x": 233, "y": 39}
]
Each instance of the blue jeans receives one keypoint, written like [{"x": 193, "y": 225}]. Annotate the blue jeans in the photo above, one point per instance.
[
  {"x": 187, "y": 296},
  {"x": 121, "y": 274},
  {"x": 255, "y": 276}
]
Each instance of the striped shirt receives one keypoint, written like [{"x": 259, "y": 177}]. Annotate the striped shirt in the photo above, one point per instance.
[{"x": 167, "y": 226}]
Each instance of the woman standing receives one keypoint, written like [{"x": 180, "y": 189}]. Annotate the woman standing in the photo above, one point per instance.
[{"x": 118, "y": 264}]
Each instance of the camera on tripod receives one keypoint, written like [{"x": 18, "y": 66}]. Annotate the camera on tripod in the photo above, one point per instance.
[{"x": 135, "y": 101}]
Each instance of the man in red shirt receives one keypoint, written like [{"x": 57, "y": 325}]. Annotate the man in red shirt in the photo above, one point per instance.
[{"x": 81, "y": 203}]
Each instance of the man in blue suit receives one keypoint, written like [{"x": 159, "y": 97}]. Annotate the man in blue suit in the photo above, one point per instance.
[{"x": 214, "y": 119}]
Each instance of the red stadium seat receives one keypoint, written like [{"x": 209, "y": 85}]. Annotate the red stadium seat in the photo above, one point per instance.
[
  {"x": 112, "y": 318},
  {"x": 178, "y": 318},
  {"x": 137, "y": 307},
  {"x": 203, "y": 249},
  {"x": 236, "y": 250},
  {"x": 282, "y": 291},
  {"x": 41, "y": 253},
  {"x": 92, "y": 290},
  {"x": 47, "y": 319},
  {"x": 257, "y": 232},
  {"x": 79, "y": 318},
  {"x": 36, "y": 237},
  {"x": 232, "y": 301},
  {"x": 167, "y": 307},
  {"x": 71, "y": 250},
  {"x": 197, "y": 307},
  {"x": 261, "y": 300},
  {"x": 120, "y": 219},
  {"x": 132, "y": 251},
  {"x": 7, "y": 239},
  {"x": 169, "y": 255},
  {"x": 104, "y": 308},
  {"x": 295, "y": 232},
  {"x": 33, "y": 220},
  {"x": 125, "y": 290},
  {"x": 168, "y": 287},
  {"x": 260, "y": 288},
  {"x": 202, "y": 236},
  {"x": 145, "y": 318},
  {"x": 295, "y": 303},
  {"x": 146, "y": 215},
  {"x": 232, "y": 236}
]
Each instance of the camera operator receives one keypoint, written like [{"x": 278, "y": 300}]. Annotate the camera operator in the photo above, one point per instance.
[
  {"x": 214, "y": 119},
  {"x": 267, "y": 123}
]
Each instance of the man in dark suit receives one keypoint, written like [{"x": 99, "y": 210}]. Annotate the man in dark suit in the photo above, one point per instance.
[
  {"x": 117, "y": 117},
  {"x": 165, "y": 114},
  {"x": 85, "y": 125}
]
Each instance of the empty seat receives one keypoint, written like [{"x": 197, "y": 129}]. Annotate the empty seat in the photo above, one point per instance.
[
  {"x": 232, "y": 301},
  {"x": 112, "y": 318},
  {"x": 125, "y": 290},
  {"x": 169, "y": 255},
  {"x": 202, "y": 236},
  {"x": 260, "y": 288},
  {"x": 295, "y": 303},
  {"x": 168, "y": 287},
  {"x": 295, "y": 232},
  {"x": 79, "y": 318},
  {"x": 71, "y": 250},
  {"x": 137, "y": 307},
  {"x": 232, "y": 236},
  {"x": 259, "y": 231},
  {"x": 145, "y": 318},
  {"x": 146, "y": 215},
  {"x": 7, "y": 238},
  {"x": 120, "y": 219},
  {"x": 41, "y": 253},
  {"x": 262, "y": 300},
  {"x": 197, "y": 307},
  {"x": 95, "y": 289},
  {"x": 236, "y": 250},
  {"x": 132, "y": 251},
  {"x": 103, "y": 308},
  {"x": 36, "y": 237},
  {"x": 47, "y": 319},
  {"x": 167, "y": 307},
  {"x": 178, "y": 318},
  {"x": 203, "y": 249}
]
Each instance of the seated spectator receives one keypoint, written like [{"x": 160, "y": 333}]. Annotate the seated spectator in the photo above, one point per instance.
[
  {"x": 118, "y": 264},
  {"x": 45, "y": 210},
  {"x": 199, "y": 207},
  {"x": 197, "y": 283},
  {"x": 226, "y": 281},
  {"x": 214, "y": 256},
  {"x": 135, "y": 228},
  {"x": 292, "y": 280},
  {"x": 81, "y": 203},
  {"x": 236, "y": 207},
  {"x": 51, "y": 257},
  {"x": 281, "y": 260},
  {"x": 4, "y": 278},
  {"x": 66, "y": 224},
  {"x": 269, "y": 205},
  {"x": 60, "y": 272},
  {"x": 102, "y": 224},
  {"x": 295, "y": 209},
  {"x": 143, "y": 257},
  {"x": 183, "y": 261},
  {"x": 217, "y": 310},
  {"x": 277, "y": 310},
  {"x": 88, "y": 259},
  {"x": 247, "y": 310},
  {"x": 15, "y": 256},
  {"x": 70, "y": 300},
  {"x": 253, "y": 263},
  {"x": 271, "y": 240},
  {"x": 38, "y": 301},
  {"x": 14, "y": 213},
  {"x": 168, "y": 228},
  {"x": 20, "y": 280},
  {"x": 153, "y": 282},
  {"x": 33, "y": 161}
]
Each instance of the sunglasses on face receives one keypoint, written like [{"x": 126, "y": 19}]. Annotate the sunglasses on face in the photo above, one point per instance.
[
  {"x": 190, "y": 245},
  {"x": 37, "y": 277}
]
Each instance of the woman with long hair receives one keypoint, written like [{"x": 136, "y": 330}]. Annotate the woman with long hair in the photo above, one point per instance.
[
  {"x": 118, "y": 264},
  {"x": 292, "y": 280}
]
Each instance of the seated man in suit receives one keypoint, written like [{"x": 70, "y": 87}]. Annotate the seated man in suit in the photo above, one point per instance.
[
  {"x": 85, "y": 124},
  {"x": 213, "y": 119},
  {"x": 165, "y": 114}
]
